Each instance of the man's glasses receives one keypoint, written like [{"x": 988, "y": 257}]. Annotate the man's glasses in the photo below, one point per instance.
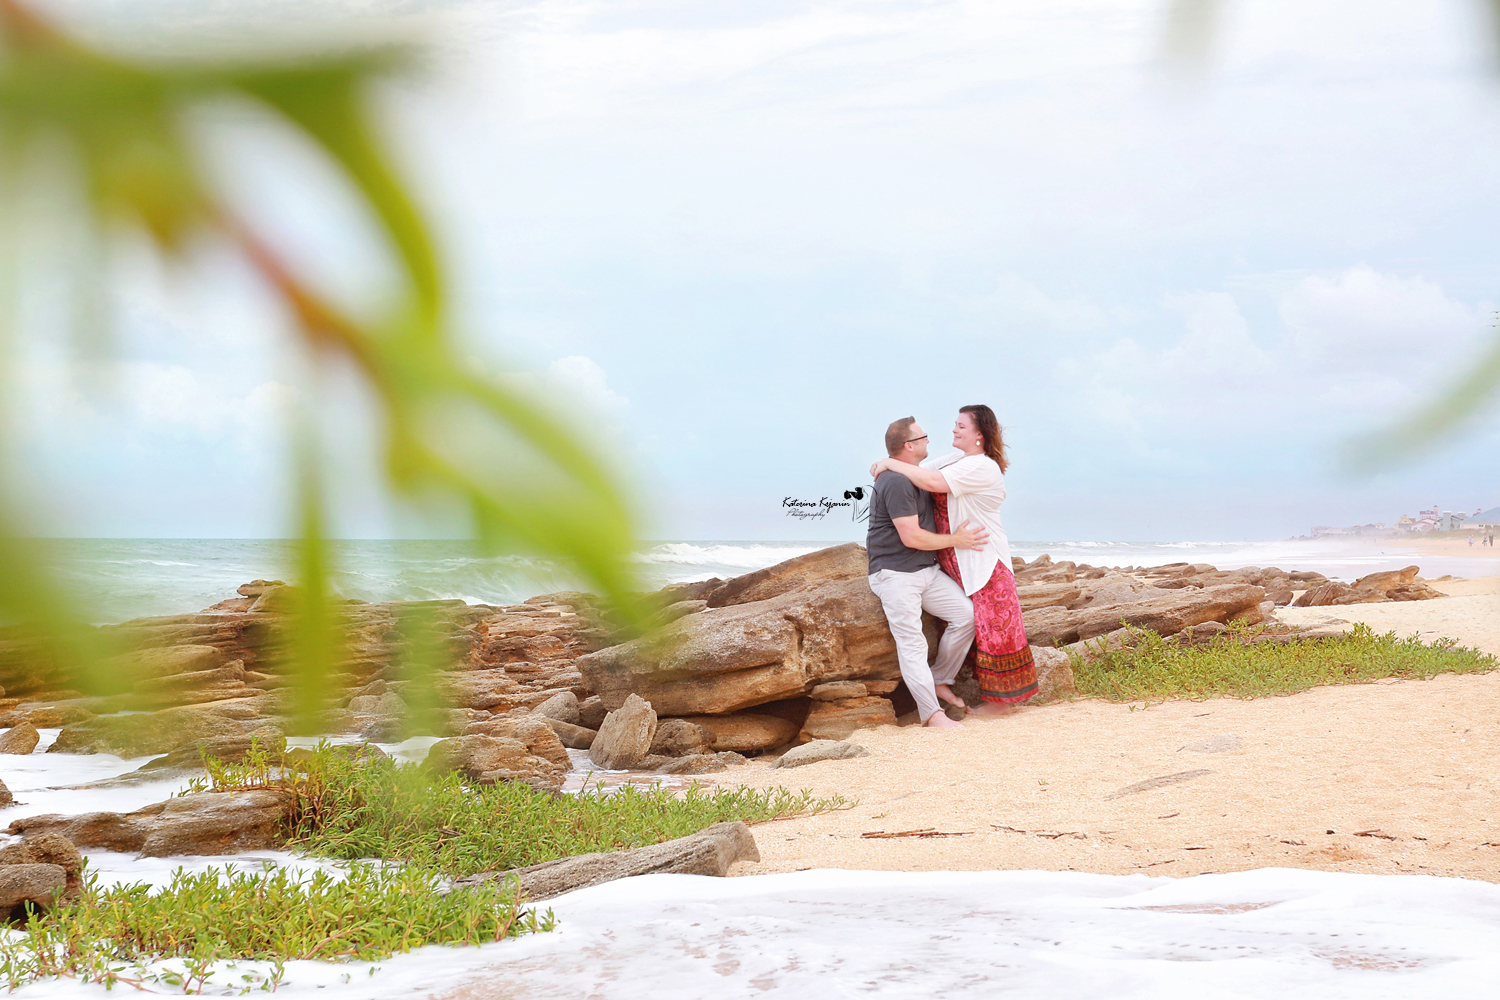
[{"x": 914, "y": 440}]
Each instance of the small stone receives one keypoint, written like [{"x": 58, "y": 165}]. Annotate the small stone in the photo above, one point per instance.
[
  {"x": 839, "y": 690},
  {"x": 562, "y": 706},
  {"x": 625, "y": 737},
  {"x": 591, "y": 712},
  {"x": 21, "y": 738},
  {"x": 572, "y": 737},
  {"x": 5, "y": 797},
  {"x": 819, "y": 750},
  {"x": 680, "y": 738},
  {"x": 697, "y": 763},
  {"x": 39, "y": 885},
  {"x": 834, "y": 720}
]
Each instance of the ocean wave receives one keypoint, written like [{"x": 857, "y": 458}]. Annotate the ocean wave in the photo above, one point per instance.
[{"x": 749, "y": 555}]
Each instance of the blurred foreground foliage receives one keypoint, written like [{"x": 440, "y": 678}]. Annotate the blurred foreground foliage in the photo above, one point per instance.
[{"x": 452, "y": 438}]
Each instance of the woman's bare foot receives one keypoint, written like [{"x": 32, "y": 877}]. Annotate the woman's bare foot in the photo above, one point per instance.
[
  {"x": 992, "y": 708},
  {"x": 940, "y": 720},
  {"x": 945, "y": 693}
]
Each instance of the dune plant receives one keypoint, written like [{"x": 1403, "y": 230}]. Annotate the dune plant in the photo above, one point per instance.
[
  {"x": 129, "y": 132},
  {"x": 358, "y": 809},
  {"x": 1234, "y": 665}
]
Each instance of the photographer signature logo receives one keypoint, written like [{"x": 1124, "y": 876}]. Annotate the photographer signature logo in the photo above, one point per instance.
[{"x": 855, "y": 501}]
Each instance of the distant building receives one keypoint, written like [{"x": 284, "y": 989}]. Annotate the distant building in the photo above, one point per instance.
[
  {"x": 1486, "y": 518},
  {"x": 1451, "y": 520}
]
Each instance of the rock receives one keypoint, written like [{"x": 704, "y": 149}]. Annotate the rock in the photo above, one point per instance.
[
  {"x": 572, "y": 737},
  {"x": 257, "y": 587},
  {"x": 730, "y": 658},
  {"x": 21, "y": 738},
  {"x": 881, "y": 687},
  {"x": 147, "y": 733},
  {"x": 54, "y": 716},
  {"x": 708, "y": 852},
  {"x": 534, "y": 732},
  {"x": 230, "y": 674},
  {"x": 47, "y": 849},
  {"x": 562, "y": 706},
  {"x": 591, "y": 712},
  {"x": 218, "y": 823},
  {"x": 232, "y": 749},
  {"x": 839, "y": 690},
  {"x": 625, "y": 737},
  {"x": 1324, "y": 595},
  {"x": 696, "y": 763},
  {"x": 1167, "y": 614},
  {"x": 680, "y": 738},
  {"x": 746, "y": 732},
  {"x": 297, "y": 758},
  {"x": 834, "y": 720},
  {"x": 1048, "y": 595},
  {"x": 275, "y": 599},
  {"x": 1379, "y": 583},
  {"x": 840, "y": 562},
  {"x": 491, "y": 759},
  {"x": 38, "y": 885},
  {"x": 811, "y": 753},
  {"x": 200, "y": 823},
  {"x": 165, "y": 661},
  {"x": 1413, "y": 592},
  {"x": 388, "y": 704},
  {"x": 5, "y": 797},
  {"x": 672, "y": 612},
  {"x": 110, "y": 831},
  {"x": 1054, "y": 673}
]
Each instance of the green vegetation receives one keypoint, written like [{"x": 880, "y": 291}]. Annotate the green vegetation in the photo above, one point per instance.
[
  {"x": 433, "y": 827},
  {"x": 1234, "y": 665},
  {"x": 100, "y": 146},
  {"x": 356, "y": 809},
  {"x": 113, "y": 935}
]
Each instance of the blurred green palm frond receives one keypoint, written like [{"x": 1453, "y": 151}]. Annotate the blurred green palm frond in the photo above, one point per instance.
[
  {"x": 451, "y": 437},
  {"x": 1191, "y": 27}
]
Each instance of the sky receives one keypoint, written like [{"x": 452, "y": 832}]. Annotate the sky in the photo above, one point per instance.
[{"x": 734, "y": 241}]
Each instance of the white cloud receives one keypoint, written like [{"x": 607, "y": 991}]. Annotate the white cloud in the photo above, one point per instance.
[{"x": 1362, "y": 320}]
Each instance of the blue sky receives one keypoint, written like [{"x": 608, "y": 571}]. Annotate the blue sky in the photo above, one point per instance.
[{"x": 745, "y": 237}]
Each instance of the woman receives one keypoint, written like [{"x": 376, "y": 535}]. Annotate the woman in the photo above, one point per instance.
[{"x": 971, "y": 486}]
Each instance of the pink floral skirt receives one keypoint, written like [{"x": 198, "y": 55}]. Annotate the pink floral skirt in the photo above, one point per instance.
[{"x": 1000, "y": 656}]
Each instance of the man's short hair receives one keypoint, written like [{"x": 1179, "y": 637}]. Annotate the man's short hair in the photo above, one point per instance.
[{"x": 896, "y": 435}]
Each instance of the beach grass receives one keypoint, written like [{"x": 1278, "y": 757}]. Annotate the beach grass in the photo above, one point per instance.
[
  {"x": 405, "y": 832},
  {"x": 439, "y": 824},
  {"x": 1234, "y": 665},
  {"x": 122, "y": 935}
]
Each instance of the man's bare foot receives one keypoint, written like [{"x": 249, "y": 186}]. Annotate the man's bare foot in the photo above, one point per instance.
[
  {"x": 945, "y": 693},
  {"x": 992, "y": 708},
  {"x": 938, "y": 720}
]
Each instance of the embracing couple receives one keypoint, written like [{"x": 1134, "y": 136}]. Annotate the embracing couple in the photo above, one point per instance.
[{"x": 936, "y": 544}]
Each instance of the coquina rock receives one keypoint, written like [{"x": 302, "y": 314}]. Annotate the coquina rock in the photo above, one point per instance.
[
  {"x": 144, "y": 734},
  {"x": 1168, "y": 614},
  {"x": 21, "y": 738},
  {"x": 835, "y": 720},
  {"x": 738, "y": 656},
  {"x": 201, "y": 823},
  {"x": 624, "y": 739},
  {"x": 838, "y": 562}
]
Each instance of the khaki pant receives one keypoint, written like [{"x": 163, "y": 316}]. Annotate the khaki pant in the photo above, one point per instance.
[{"x": 905, "y": 596}]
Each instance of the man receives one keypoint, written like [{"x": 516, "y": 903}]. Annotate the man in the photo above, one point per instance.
[{"x": 904, "y": 574}]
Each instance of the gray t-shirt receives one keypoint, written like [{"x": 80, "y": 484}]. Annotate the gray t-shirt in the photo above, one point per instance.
[{"x": 896, "y": 496}]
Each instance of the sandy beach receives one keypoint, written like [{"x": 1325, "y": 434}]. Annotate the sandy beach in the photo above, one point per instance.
[{"x": 1394, "y": 777}]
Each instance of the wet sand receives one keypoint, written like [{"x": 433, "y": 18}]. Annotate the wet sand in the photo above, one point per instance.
[{"x": 1403, "y": 774}]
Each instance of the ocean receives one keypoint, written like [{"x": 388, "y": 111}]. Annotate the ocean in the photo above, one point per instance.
[{"x": 114, "y": 580}]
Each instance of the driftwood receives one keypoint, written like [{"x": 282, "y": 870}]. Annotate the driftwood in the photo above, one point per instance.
[{"x": 708, "y": 852}]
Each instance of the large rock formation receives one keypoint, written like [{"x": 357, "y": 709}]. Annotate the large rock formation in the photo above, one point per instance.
[
  {"x": 741, "y": 655},
  {"x": 1167, "y": 614}
]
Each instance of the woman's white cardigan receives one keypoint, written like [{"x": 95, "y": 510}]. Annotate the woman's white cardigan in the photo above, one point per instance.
[{"x": 976, "y": 488}]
